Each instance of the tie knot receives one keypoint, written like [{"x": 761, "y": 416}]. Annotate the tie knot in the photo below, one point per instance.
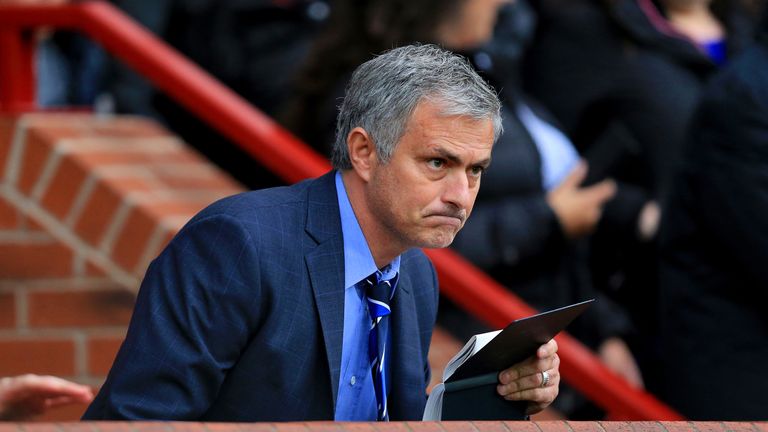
[{"x": 378, "y": 294}]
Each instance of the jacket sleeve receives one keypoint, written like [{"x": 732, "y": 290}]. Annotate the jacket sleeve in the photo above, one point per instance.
[
  {"x": 729, "y": 176},
  {"x": 195, "y": 311}
]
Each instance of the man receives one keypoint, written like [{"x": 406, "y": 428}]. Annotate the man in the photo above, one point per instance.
[
  {"x": 26, "y": 396},
  {"x": 259, "y": 309}
]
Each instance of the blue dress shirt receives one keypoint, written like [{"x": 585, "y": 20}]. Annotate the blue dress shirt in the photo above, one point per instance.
[
  {"x": 356, "y": 399},
  {"x": 558, "y": 156}
]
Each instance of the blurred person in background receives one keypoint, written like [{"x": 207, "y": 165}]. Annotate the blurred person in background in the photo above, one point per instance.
[
  {"x": 69, "y": 66},
  {"x": 252, "y": 46},
  {"x": 26, "y": 396},
  {"x": 533, "y": 211},
  {"x": 623, "y": 77},
  {"x": 714, "y": 244}
]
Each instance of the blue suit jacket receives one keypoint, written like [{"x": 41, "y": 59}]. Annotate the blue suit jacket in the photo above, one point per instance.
[{"x": 241, "y": 317}]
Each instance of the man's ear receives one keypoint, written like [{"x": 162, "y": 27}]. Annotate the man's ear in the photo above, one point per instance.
[{"x": 362, "y": 152}]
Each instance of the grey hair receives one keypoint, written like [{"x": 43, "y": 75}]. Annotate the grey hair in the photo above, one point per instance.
[{"x": 383, "y": 93}]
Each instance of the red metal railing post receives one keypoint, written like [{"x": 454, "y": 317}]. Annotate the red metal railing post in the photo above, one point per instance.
[{"x": 17, "y": 71}]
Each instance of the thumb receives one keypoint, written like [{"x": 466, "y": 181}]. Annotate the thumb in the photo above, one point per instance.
[{"x": 576, "y": 176}]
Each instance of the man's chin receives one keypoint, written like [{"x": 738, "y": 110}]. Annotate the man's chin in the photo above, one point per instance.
[{"x": 439, "y": 241}]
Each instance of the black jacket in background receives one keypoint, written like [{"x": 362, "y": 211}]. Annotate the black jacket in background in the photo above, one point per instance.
[{"x": 715, "y": 253}]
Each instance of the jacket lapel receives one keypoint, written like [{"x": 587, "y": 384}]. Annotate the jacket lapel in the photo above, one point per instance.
[{"x": 325, "y": 264}]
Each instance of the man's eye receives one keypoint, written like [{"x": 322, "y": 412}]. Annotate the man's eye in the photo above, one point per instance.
[
  {"x": 477, "y": 171},
  {"x": 436, "y": 163}
]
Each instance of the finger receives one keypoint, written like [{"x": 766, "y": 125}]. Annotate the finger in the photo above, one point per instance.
[
  {"x": 523, "y": 383},
  {"x": 576, "y": 176},
  {"x": 538, "y": 394},
  {"x": 600, "y": 192},
  {"x": 547, "y": 350},
  {"x": 530, "y": 366},
  {"x": 25, "y": 386}
]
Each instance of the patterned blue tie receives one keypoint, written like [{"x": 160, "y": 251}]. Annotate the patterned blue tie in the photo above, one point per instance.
[{"x": 378, "y": 294}]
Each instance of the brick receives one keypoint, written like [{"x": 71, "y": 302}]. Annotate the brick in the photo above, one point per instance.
[
  {"x": 490, "y": 426},
  {"x": 239, "y": 427},
  {"x": 40, "y": 427},
  {"x": 359, "y": 427},
  {"x": 101, "y": 354},
  {"x": 124, "y": 185},
  {"x": 10, "y": 217},
  {"x": 110, "y": 426},
  {"x": 103, "y": 203},
  {"x": 108, "y": 307},
  {"x": 53, "y": 133},
  {"x": 326, "y": 426},
  {"x": 458, "y": 426},
  {"x": 222, "y": 427},
  {"x": 290, "y": 427},
  {"x": 710, "y": 426},
  {"x": 151, "y": 427},
  {"x": 64, "y": 187},
  {"x": 129, "y": 127},
  {"x": 7, "y": 130},
  {"x": 194, "y": 176},
  {"x": 190, "y": 427},
  {"x": 424, "y": 426},
  {"x": 35, "y": 260},
  {"x": 583, "y": 426},
  {"x": 738, "y": 426},
  {"x": 36, "y": 152},
  {"x": 546, "y": 426},
  {"x": 32, "y": 225},
  {"x": 395, "y": 426},
  {"x": 678, "y": 426},
  {"x": 92, "y": 269},
  {"x": 133, "y": 239},
  {"x": 97, "y": 214},
  {"x": 39, "y": 356},
  {"x": 96, "y": 159},
  {"x": 646, "y": 426},
  {"x": 7, "y": 310}
]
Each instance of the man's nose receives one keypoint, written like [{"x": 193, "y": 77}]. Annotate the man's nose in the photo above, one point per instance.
[{"x": 457, "y": 190}]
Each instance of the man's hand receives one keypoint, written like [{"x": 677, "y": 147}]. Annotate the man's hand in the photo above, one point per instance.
[
  {"x": 524, "y": 380},
  {"x": 579, "y": 208},
  {"x": 26, "y": 396}
]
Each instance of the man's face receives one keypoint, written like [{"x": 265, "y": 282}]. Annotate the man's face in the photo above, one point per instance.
[{"x": 424, "y": 194}]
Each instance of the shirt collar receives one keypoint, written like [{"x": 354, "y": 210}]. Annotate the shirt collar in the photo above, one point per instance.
[{"x": 358, "y": 260}]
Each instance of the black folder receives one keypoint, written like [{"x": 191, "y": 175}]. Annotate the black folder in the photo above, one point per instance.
[{"x": 469, "y": 393}]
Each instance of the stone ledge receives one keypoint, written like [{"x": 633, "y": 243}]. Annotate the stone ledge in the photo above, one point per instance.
[{"x": 461, "y": 426}]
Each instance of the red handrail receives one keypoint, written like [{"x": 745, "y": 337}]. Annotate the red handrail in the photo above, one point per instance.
[{"x": 280, "y": 151}]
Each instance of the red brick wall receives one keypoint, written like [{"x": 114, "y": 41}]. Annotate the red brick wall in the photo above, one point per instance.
[
  {"x": 458, "y": 426},
  {"x": 85, "y": 204}
]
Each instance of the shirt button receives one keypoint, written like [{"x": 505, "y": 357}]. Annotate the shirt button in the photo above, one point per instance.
[{"x": 352, "y": 380}]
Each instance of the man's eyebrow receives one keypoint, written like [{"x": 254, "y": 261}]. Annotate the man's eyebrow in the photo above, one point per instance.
[
  {"x": 454, "y": 158},
  {"x": 448, "y": 155}
]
